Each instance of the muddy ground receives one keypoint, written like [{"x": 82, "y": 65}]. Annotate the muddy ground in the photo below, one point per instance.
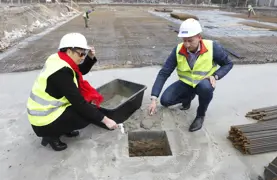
[
  {"x": 131, "y": 37},
  {"x": 255, "y": 49},
  {"x": 262, "y": 18}
]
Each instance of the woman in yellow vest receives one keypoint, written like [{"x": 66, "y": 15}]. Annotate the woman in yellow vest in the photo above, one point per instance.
[
  {"x": 61, "y": 101},
  {"x": 196, "y": 61}
]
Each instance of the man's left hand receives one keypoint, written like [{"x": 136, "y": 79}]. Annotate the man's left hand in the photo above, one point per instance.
[
  {"x": 212, "y": 81},
  {"x": 91, "y": 52}
]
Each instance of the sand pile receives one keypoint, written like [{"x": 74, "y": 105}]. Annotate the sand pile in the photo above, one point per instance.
[
  {"x": 163, "y": 10},
  {"x": 183, "y": 16}
]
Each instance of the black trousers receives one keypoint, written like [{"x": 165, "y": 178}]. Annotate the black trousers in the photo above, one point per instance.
[{"x": 69, "y": 121}]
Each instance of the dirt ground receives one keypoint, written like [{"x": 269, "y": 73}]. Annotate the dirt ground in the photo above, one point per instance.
[
  {"x": 256, "y": 50},
  {"x": 147, "y": 148},
  {"x": 261, "y": 18},
  {"x": 260, "y": 25},
  {"x": 130, "y": 37}
]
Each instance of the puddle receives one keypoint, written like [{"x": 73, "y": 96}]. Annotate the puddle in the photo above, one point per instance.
[{"x": 221, "y": 24}]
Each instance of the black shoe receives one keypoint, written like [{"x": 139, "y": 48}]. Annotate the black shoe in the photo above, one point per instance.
[
  {"x": 196, "y": 124},
  {"x": 55, "y": 143},
  {"x": 72, "y": 134},
  {"x": 185, "y": 106}
]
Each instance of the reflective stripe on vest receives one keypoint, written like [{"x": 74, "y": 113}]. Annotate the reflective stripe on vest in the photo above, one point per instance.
[
  {"x": 41, "y": 113},
  {"x": 190, "y": 79},
  {"x": 42, "y": 108},
  {"x": 43, "y": 102},
  {"x": 203, "y": 67}
]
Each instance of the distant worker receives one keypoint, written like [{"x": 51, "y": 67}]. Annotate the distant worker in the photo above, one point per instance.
[
  {"x": 196, "y": 61},
  {"x": 61, "y": 101},
  {"x": 250, "y": 10},
  {"x": 86, "y": 17}
]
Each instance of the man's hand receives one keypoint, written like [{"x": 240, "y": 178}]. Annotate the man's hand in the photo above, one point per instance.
[
  {"x": 91, "y": 52},
  {"x": 212, "y": 81},
  {"x": 152, "y": 107}
]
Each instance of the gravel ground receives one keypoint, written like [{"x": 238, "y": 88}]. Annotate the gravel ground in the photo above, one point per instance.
[
  {"x": 218, "y": 24},
  {"x": 133, "y": 37}
]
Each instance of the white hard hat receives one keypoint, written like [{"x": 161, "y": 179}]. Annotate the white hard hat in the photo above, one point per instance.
[
  {"x": 74, "y": 40},
  {"x": 190, "y": 27}
]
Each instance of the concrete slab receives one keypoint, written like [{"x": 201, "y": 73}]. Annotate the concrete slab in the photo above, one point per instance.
[{"x": 100, "y": 154}]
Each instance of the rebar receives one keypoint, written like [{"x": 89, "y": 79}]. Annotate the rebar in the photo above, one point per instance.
[
  {"x": 265, "y": 108},
  {"x": 270, "y": 172},
  {"x": 263, "y": 114},
  {"x": 260, "y": 178},
  {"x": 254, "y": 138}
]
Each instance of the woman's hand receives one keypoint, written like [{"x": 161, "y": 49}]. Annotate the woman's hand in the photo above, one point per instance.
[
  {"x": 109, "y": 123},
  {"x": 91, "y": 52}
]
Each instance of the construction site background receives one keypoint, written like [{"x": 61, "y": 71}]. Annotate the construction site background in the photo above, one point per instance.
[
  {"x": 22, "y": 20},
  {"x": 252, "y": 40},
  {"x": 232, "y": 3}
]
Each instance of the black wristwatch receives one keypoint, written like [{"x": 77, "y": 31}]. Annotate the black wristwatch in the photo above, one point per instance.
[{"x": 216, "y": 77}]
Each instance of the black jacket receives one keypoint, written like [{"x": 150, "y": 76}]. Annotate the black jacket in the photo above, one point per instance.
[{"x": 61, "y": 84}]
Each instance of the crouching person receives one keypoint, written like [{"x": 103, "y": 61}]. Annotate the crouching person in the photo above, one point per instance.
[{"x": 60, "y": 101}]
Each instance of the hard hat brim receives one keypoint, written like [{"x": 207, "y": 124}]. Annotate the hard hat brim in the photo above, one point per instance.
[
  {"x": 88, "y": 47},
  {"x": 187, "y": 35}
]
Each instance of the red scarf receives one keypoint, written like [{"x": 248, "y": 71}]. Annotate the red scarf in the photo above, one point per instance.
[{"x": 88, "y": 92}]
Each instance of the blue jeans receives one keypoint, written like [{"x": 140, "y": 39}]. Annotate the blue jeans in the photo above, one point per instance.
[{"x": 180, "y": 92}]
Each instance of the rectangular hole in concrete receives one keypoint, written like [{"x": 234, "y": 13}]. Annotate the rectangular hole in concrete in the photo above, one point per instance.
[{"x": 148, "y": 143}]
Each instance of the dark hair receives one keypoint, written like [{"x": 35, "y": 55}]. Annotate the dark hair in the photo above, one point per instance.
[{"x": 63, "y": 49}]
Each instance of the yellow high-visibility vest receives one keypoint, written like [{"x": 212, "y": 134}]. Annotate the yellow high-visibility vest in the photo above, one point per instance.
[
  {"x": 203, "y": 67},
  {"x": 42, "y": 108}
]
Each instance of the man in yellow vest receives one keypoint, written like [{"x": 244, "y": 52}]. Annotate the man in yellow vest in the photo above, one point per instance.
[{"x": 195, "y": 60}]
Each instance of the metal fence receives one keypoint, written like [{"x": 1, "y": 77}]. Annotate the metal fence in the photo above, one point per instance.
[
  {"x": 22, "y": 1},
  {"x": 28, "y": 1},
  {"x": 229, "y": 3}
]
